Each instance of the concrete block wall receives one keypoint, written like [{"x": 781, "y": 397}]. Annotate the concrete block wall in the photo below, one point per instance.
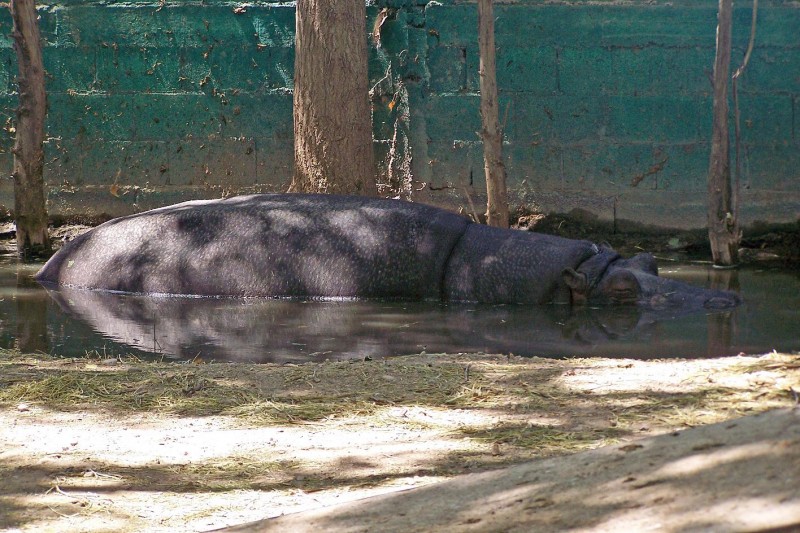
[
  {"x": 606, "y": 105},
  {"x": 151, "y": 104}
]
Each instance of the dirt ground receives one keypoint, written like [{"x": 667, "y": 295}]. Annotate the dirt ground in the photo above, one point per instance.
[
  {"x": 701, "y": 479},
  {"x": 126, "y": 445}
]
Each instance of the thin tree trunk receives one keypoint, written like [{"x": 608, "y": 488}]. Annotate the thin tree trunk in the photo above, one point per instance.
[
  {"x": 737, "y": 182},
  {"x": 723, "y": 231},
  {"x": 332, "y": 115},
  {"x": 491, "y": 133},
  {"x": 29, "y": 198}
]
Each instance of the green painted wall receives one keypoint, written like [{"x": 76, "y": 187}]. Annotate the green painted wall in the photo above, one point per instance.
[{"x": 606, "y": 104}]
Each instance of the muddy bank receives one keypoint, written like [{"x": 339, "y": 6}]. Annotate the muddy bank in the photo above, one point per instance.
[{"x": 774, "y": 244}]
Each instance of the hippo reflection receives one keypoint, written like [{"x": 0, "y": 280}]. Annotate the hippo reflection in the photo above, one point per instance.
[
  {"x": 343, "y": 247},
  {"x": 269, "y": 330}
]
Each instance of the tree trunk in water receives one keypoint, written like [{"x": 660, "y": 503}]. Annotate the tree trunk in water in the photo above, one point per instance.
[
  {"x": 332, "y": 116},
  {"x": 723, "y": 229},
  {"x": 491, "y": 133},
  {"x": 29, "y": 199},
  {"x": 31, "y": 333}
]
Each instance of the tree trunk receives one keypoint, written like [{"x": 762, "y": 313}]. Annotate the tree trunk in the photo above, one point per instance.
[
  {"x": 723, "y": 229},
  {"x": 491, "y": 133},
  {"x": 29, "y": 199},
  {"x": 332, "y": 116}
]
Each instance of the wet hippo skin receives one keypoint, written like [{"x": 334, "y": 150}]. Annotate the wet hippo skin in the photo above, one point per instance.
[{"x": 328, "y": 247}]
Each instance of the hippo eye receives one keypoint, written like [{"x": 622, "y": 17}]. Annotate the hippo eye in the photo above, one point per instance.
[
  {"x": 620, "y": 287},
  {"x": 624, "y": 295}
]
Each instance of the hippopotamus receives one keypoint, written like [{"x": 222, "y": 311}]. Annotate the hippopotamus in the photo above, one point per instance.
[{"x": 350, "y": 247}]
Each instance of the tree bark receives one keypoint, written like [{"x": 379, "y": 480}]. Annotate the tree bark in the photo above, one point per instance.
[
  {"x": 29, "y": 198},
  {"x": 332, "y": 116},
  {"x": 723, "y": 229},
  {"x": 491, "y": 132}
]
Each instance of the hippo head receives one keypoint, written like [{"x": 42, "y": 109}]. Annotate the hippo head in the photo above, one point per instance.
[{"x": 607, "y": 279}]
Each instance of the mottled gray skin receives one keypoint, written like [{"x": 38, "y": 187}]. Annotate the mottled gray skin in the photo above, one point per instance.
[{"x": 324, "y": 246}]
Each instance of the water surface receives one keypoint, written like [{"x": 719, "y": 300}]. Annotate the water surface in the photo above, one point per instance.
[{"x": 73, "y": 323}]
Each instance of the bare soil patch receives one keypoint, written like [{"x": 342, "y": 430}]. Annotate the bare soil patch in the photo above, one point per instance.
[{"x": 126, "y": 445}]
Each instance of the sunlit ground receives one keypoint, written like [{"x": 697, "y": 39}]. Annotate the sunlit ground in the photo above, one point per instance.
[{"x": 129, "y": 446}]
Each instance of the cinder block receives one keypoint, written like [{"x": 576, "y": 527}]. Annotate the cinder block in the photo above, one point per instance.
[
  {"x": 5, "y": 29},
  {"x": 578, "y": 119},
  {"x": 609, "y": 167},
  {"x": 121, "y": 163},
  {"x": 776, "y": 28},
  {"x": 659, "y": 119},
  {"x": 527, "y": 69},
  {"x": 176, "y": 116},
  {"x": 529, "y": 119},
  {"x": 684, "y": 167},
  {"x": 773, "y": 167},
  {"x": 770, "y": 70},
  {"x": 8, "y": 72},
  {"x": 456, "y": 164},
  {"x": 274, "y": 26},
  {"x": 69, "y": 69},
  {"x": 644, "y": 71},
  {"x": 63, "y": 161},
  {"x": 448, "y": 69},
  {"x": 453, "y": 117},
  {"x": 235, "y": 67},
  {"x": 765, "y": 118},
  {"x": 231, "y": 163},
  {"x": 274, "y": 163},
  {"x": 534, "y": 167},
  {"x": 137, "y": 70},
  {"x": 119, "y": 25},
  {"x": 259, "y": 115},
  {"x": 94, "y": 116},
  {"x": 451, "y": 25}
]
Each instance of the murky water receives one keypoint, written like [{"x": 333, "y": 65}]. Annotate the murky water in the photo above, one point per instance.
[{"x": 72, "y": 323}]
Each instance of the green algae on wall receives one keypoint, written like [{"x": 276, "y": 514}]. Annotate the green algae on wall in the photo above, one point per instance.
[{"x": 606, "y": 104}]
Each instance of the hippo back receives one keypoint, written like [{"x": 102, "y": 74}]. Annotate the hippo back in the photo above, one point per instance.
[{"x": 280, "y": 245}]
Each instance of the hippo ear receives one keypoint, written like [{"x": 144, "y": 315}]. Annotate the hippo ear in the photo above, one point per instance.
[
  {"x": 644, "y": 262},
  {"x": 575, "y": 280}
]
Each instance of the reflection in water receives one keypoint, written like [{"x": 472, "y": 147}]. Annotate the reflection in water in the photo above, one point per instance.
[
  {"x": 281, "y": 330},
  {"x": 721, "y": 326},
  {"x": 278, "y": 330},
  {"x": 31, "y": 316}
]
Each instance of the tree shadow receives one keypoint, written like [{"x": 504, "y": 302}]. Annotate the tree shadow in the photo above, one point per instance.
[
  {"x": 701, "y": 479},
  {"x": 275, "y": 245},
  {"x": 266, "y": 395}
]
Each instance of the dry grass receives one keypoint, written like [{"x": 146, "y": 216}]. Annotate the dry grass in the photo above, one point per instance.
[{"x": 551, "y": 406}]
